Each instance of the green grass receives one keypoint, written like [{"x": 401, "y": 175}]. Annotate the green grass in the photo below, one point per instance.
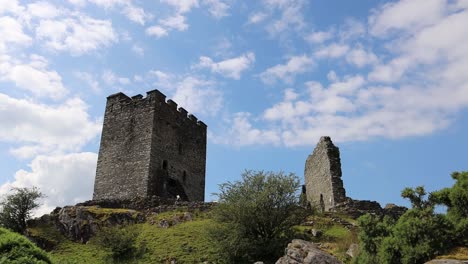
[{"x": 186, "y": 242}]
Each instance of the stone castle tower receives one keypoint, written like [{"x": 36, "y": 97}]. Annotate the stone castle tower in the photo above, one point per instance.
[
  {"x": 323, "y": 184},
  {"x": 150, "y": 147}
]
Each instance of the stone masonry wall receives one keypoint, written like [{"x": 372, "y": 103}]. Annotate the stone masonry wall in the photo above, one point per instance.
[
  {"x": 150, "y": 147},
  {"x": 324, "y": 187}
]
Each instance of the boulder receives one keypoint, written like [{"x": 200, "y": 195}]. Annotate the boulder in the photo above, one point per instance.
[
  {"x": 447, "y": 261},
  {"x": 304, "y": 252}
]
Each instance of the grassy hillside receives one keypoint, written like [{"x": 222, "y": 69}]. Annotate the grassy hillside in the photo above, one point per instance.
[{"x": 186, "y": 241}]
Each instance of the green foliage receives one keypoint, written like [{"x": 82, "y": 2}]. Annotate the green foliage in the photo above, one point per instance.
[
  {"x": 16, "y": 208},
  {"x": 256, "y": 215},
  {"x": 120, "y": 241},
  {"x": 456, "y": 200},
  {"x": 16, "y": 249},
  {"x": 420, "y": 234}
]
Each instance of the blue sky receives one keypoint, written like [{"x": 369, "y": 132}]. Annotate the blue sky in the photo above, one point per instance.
[{"x": 385, "y": 79}]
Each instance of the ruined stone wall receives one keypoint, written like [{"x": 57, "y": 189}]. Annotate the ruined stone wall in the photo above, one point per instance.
[
  {"x": 324, "y": 187},
  {"x": 150, "y": 147}
]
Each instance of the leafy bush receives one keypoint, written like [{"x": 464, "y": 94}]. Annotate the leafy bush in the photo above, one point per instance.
[
  {"x": 15, "y": 208},
  {"x": 257, "y": 215},
  {"x": 17, "y": 249},
  {"x": 420, "y": 234},
  {"x": 120, "y": 241}
]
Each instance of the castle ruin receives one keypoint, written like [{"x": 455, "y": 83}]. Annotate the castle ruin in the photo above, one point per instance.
[
  {"x": 149, "y": 147},
  {"x": 324, "y": 187}
]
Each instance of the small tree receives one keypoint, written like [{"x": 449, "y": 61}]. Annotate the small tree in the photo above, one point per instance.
[
  {"x": 16, "y": 208},
  {"x": 256, "y": 215}
]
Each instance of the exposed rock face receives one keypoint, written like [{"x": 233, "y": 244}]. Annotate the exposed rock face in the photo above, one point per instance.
[
  {"x": 324, "y": 187},
  {"x": 80, "y": 223},
  {"x": 304, "y": 252}
]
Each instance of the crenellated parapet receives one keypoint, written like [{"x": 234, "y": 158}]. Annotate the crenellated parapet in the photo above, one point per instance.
[{"x": 120, "y": 101}]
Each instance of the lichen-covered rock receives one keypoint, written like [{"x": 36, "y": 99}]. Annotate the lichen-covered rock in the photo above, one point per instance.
[
  {"x": 304, "y": 252},
  {"x": 80, "y": 223}
]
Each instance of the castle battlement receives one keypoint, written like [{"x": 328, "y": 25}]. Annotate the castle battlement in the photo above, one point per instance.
[
  {"x": 119, "y": 101},
  {"x": 150, "y": 146}
]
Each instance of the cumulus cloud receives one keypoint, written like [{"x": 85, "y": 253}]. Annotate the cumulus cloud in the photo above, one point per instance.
[
  {"x": 290, "y": 15},
  {"x": 89, "y": 79},
  {"x": 333, "y": 50},
  {"x": 33, "y": 76},
  {"x": 38, "y": 128},
  {"x": 12, "y": 34},
  {"x": 406, "y": 15},
  {"x": 240, "y": 132},
  {"x": 198, "y": 96},
  {"x": 257, "y": 17},
  {"x": 76, "y": 35},
  {"x": 319, "y": 36},
  {"x": 174, "y": 22},
  {"x": 156, "y": 31},
  {"x": 182, "y": 6},
  {"x": 128, "y": 8},
  {"x": 64, "y": 179},
  {"x": 217, "y": 8},
  {"x": 231, "y": 68},
  {"x": 287, "y": 72},
  {"x": 110, "y": 78}
]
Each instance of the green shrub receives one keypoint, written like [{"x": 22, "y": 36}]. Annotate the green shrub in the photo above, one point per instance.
[
  {"x": 17, "y": 249},
  {"x": 256, "y": 215},
  {"x": 120, "y": 241}
]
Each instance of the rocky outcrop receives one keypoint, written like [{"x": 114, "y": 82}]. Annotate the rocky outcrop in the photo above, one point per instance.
[
  {"x": 149, "y": 204},
  {"x": 447, "y": 261},
  {"x": 304, "y": 252},
  {"x": 80, "y": 223}
]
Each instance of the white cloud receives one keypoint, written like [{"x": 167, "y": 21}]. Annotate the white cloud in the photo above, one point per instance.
[
  {"x": 156, "y": 31},
  {"x": 334, "y": 50},
  {"x": 174, "y": 22},
  {"x": 45, "y": 128},
  {"x": 319, "y": 36},
  {"x": 89, "y": 79},
  {"x": 34, "y": 77},
  {"x": 12, "y": 34},
  {"x": 361, "y": 57},
  {"x": 240, "y": 132},
  {"x": 198, "y": 96},
  {"x": 43, "y": 9},
  {"x": 290, "y": 15},
  {"x": 182, "y": 6},
  {"x": 231, "y": 68},
  {"x": 257, "y": 17},
  {"x": 217, "y": 8},
  {"x": 10, "y": 6},
  {"x": 406, "y": 15},
  {"x": 64, "y": 179},
  {"x": 110, "y": 78},
  {"x": 137, "y": 49},
  {"x": 76, "y": 35},
  {"x": 287, "y": 72},
  {"x": 135, "y": 14},
  {"x": 391, "y": 72}
]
